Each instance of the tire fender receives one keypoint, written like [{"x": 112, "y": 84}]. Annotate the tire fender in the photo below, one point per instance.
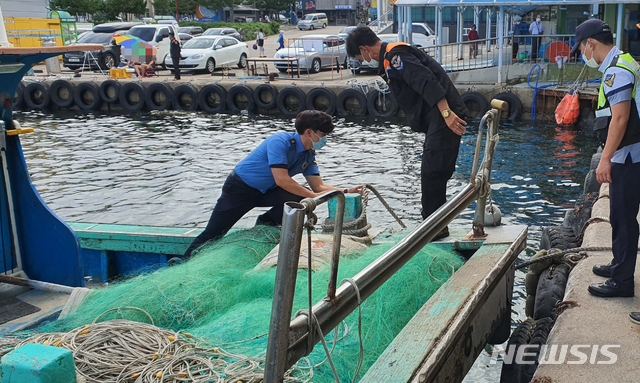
[
  {"x": 207, "y": 97},
  {"x": 476, "y": 103},
  {"x": 233, "y": 104},
  {"x": 86, "y": 103},
  {"x": 313, "y": 96},
  {"x": 285, "y": 95},
  {"x": 515, "y": 105},
  {"x": 163, "y": 91},
  {"x": 185, "y": 97},
  {"x": 110, "y": 91},
  {"x": 347, "y": 94},
  {"x": 374, "y": 98},
  {"x": 18, "y": 98},
  {"x": 271, "y": 96},
  {"x": 61, "y": 93},
  {"x": 30, "y": 95},
  {"x": 128, "y": 93}
]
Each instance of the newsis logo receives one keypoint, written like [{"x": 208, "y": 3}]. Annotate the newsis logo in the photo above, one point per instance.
[{"x": 558, "y": 354}]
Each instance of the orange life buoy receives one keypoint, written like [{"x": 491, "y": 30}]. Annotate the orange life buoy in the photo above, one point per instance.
[{"x": 568, "y": 110}]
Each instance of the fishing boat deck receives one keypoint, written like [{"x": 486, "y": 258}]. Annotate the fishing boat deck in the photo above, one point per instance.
[{"x": 591, "y": 321}]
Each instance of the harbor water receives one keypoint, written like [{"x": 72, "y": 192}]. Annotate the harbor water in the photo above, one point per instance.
[{"x": 167, "y": 169}]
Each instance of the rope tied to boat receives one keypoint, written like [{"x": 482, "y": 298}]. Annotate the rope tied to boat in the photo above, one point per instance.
[
  {"x": 351, "y": 227},
  {"x": 574, "y": 255}
]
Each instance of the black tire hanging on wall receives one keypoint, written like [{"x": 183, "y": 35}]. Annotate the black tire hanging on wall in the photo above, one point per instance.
[
  {"x": 476, "y": 103},
  {"x": 389, "y": 105},
  {"x": 558, "y": 237},
  {"x": 239, "y": 98},
  {"x": 158, "y": 96},
  {"x": 87, "y": 96},
  {"x": 18, "y": 98},
  {"x": 550, "y": 290},
  {"x": 131, "y": 97},
  {"x": 291, "y": 101},
  {"x": 539, "y": 336},
  {"x": 519, "y": 337},
  {"x": 591, "y": 184},
  {"x": 354, "y": 110},
  {"x": 110, "y": 91},
  {"x": 515, "y": 105},
  {"x": 185, "y": 97},
  {"x": 265, "y": 96},
  {"x": 321, "y": 99},
  {"x": 61, "y": 93},
  {"x": 212, "y": 99},
  {"x": 36, "y": 95}
]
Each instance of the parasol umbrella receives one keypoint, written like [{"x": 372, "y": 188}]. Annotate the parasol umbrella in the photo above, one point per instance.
[{"x": 135, "y": 49}]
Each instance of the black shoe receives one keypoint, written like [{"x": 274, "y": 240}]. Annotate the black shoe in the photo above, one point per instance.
[
  {"x": 634, "y": 317},
  {"x": 442, "y": 234},
  {"x": 610, "y": 289},
  {"x": 602, "y": 270}
]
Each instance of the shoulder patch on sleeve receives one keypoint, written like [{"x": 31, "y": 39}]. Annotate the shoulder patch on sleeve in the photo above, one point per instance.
[
  {"x": 608, "y": 80},
  {"x": 292, "y": 141},
  {"x": 396, "y": 62}
]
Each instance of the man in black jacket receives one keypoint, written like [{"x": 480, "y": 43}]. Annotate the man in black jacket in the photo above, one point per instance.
[
  {"x": 430, "y": 101},
  {"x": 174, "y": 51}
]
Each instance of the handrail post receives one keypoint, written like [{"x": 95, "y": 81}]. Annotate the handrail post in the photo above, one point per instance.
[
  {"x": 284, "y": 290},
  {"x": 335, "y": 246}
]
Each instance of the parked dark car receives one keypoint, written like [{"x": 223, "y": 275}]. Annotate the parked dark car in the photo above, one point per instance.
[
  {"x": 193, "y": 31},
  {"x": 101, "y": 34},
  {"x": 224, "y": 32},
  {"x": 239, "y": 19}
]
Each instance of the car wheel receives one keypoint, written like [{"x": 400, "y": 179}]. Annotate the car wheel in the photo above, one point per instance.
[
  {"x": 242, "y": 63},
  {"x": 108, "y": 61},
  {"x": 345, "y": 64},
  {"x": 211, "y": 65},
  {"x": 312, "y": 27},
  {"x": 315, "y": 66},
  {"x": 282, "y": 70},
  {"x": 355, "y": 71},
  {"x": 324, "y": 26}
]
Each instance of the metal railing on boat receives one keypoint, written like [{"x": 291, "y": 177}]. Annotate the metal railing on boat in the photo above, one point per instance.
[{"x": 290, "y": 340}]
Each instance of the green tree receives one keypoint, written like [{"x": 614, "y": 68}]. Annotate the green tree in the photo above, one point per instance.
[
  {"x": 114, "y": 7},
  {"x": 164, "y": 7},
  {"x": 277, "y": 5},
  {"x": 76, "y": 7}
]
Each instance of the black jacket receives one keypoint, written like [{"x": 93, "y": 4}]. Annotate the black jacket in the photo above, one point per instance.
[
  {"x": 174, "y": 49},
  {"x": 418, "y": 82}
]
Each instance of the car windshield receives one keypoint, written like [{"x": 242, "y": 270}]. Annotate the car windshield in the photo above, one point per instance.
[
  {"x": 143, "y": 33},
  {"x": 184, "y": 30},
  {"x": 348, "y": 30},
  {"x": 199, "y": 44},
  {"x": 213, "y": 31},
  {"x": 95, "y": 38},
  {"x": 308, "y": 17}
]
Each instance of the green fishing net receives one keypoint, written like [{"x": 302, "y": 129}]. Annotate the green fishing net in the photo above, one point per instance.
[{"x": 218, "y": 297}]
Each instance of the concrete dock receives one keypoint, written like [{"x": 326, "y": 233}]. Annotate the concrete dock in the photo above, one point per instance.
[{"x": 590, "y": 321}]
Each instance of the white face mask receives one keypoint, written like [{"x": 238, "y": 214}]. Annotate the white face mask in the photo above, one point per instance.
[
  {"x": 371, "y": 62},
  {"x": 538, "y": 20},
  {"x": 591, "y": 63}
]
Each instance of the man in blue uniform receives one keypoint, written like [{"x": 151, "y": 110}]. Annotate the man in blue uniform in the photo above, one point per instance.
[
  {"x": 617, "y": 125},
  {"x": 263, "y": 178},
  {"x": 430, "y": 101}
]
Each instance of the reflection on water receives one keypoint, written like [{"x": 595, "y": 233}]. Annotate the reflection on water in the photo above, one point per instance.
[{"x": 167, "y": 169}]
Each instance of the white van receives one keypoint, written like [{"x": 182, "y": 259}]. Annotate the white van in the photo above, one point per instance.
[
  {"x": 157, "y": 35},
  {"x": 313, "y": 21}
]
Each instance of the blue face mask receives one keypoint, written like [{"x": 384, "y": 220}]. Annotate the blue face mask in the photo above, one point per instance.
[{"x": 322, "y": 141}]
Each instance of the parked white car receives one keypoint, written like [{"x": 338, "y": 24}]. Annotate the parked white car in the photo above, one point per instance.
[
  {"x": 209, "y": 52},
  {"x": 418, "y": 39},
  {"x": 315, "y": 52},
  {"x": 156, "y": 35}
]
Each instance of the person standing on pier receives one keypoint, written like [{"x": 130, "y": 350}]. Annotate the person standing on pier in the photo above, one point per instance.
[
  {"x": 535, "y": 29},
  {"x": 617, "y": 125},
  {"x": 175, "y": 53},
  {"x": 515, "y": 32},
  {"x": 473, "y": 47},
  {"x": 263, "y": 178},
  {"x": 430, "y": 101}
]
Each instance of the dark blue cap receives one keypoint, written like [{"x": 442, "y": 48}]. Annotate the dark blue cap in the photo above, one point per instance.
[{"x": 588, "y": 29}]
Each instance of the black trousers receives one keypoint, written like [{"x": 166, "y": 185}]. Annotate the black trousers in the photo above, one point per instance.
[
  {"x": 236, "y": 200},
  {"x": 624, "y": 192},
  {"x": 439, "y": 156},
  {"x": 514, "y": 50},
  {"x": 535, "y": 47},
  {"x": 176, "y": 66}
]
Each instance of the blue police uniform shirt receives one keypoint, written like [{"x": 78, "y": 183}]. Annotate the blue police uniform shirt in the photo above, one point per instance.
[
  {"x": 281, "y": 150},
  {"x": 618, "y": 87}
]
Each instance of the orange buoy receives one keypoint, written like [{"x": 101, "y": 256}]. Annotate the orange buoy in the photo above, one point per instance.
[
  {"x": 557, "y": 49},
  {"x": 568, "y": 110}
]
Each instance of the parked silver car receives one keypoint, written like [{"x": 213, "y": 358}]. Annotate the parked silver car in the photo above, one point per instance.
[{"x": 314, "y": 52}]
